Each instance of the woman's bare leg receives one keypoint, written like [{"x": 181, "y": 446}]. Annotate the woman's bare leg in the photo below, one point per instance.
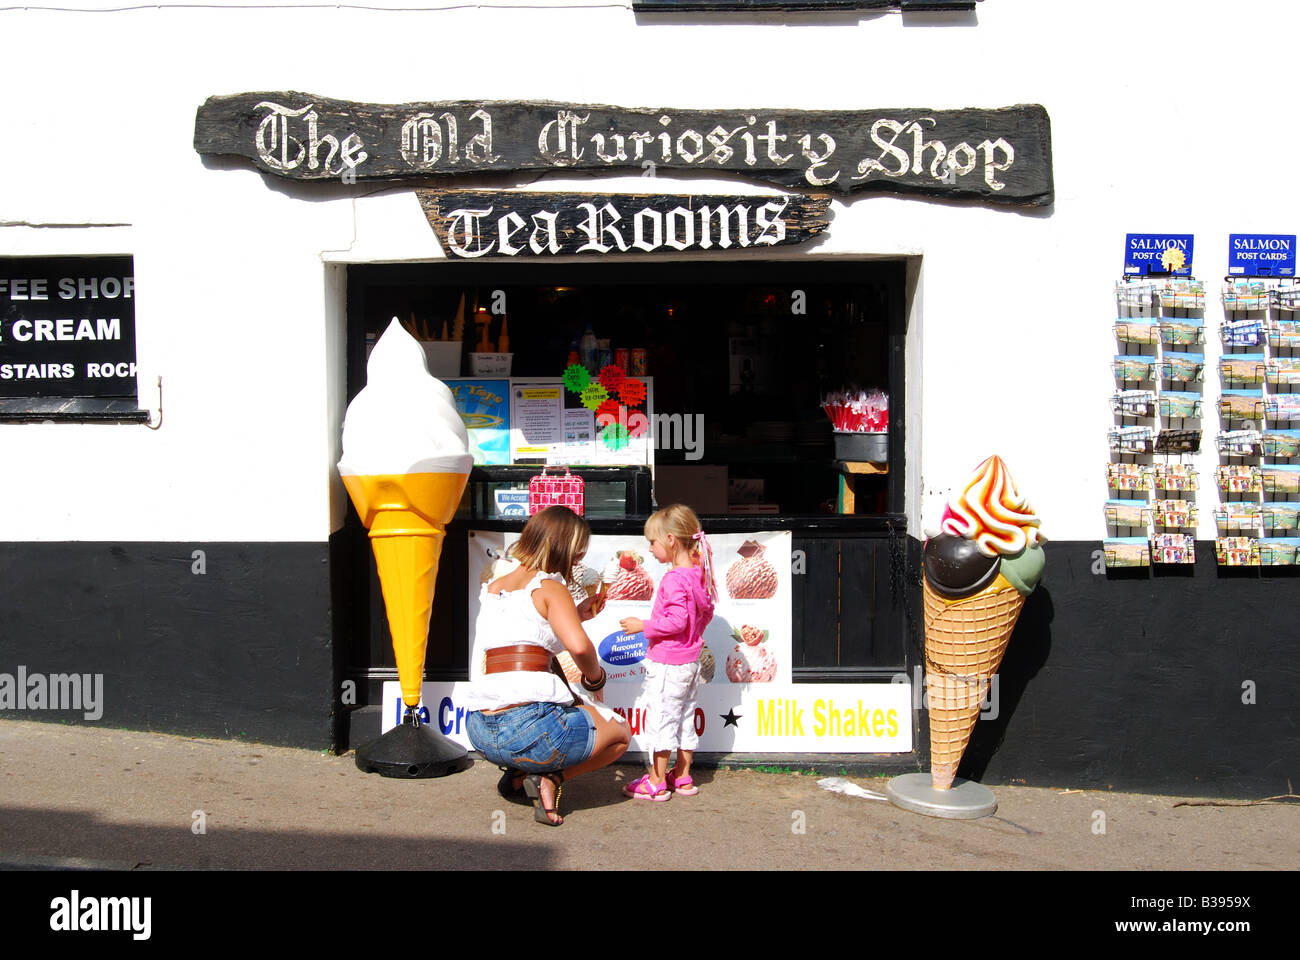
[{"x": 612, "y": 737}]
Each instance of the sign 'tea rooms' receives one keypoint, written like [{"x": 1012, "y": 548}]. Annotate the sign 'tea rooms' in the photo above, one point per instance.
[{"x": 480, "y": 223}]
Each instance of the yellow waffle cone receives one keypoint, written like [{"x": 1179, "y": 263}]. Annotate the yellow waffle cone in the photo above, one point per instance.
[
  {"x": 407, "y": 515},
  {"x": 964, "y": 644}
]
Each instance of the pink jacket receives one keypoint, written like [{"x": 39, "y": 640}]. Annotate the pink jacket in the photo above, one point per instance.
[{"x": 682, "y": 609}]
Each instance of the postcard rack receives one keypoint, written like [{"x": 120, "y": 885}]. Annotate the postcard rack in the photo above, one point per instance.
[
  {"x": 1259, "y": 408},
  {"x": 1158, "y": 404}
]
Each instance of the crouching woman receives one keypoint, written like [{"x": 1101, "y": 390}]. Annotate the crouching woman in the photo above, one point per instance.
[{"x": 523, "y": 716}]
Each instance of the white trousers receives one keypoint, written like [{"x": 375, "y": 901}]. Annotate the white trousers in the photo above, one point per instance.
[{"x": 671, "y": 689}]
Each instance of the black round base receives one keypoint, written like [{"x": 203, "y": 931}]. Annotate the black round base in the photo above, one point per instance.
[{"x": 412, "y": 752}]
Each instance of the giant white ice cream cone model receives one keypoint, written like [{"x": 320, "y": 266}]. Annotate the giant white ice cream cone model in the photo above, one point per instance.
[
  {"x": 978, "y": 572},
  {"x": 405, "y": 464}
]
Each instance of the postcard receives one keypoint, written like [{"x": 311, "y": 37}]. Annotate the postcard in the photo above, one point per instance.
[
  {"x": 1127, "y": 552},
  {"x": 1242, "y": 404}
]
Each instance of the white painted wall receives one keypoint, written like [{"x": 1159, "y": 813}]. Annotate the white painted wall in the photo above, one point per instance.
[{"x": 1157, "y": 125}]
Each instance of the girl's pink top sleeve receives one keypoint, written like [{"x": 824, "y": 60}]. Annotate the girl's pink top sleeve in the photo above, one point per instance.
[{"x": 671, "y": 614}]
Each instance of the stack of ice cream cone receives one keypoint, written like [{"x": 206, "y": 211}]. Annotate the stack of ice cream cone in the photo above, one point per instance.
[{"x": 978, "y": 572}]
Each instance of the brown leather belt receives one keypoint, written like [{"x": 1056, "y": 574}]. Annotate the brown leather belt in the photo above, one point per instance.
[{"x": 521, "y": 656}]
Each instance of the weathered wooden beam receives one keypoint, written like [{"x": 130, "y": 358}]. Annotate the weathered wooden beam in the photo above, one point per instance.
[{"x": 999, "y": 156}]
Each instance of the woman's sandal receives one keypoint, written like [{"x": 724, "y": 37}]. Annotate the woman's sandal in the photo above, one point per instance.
[
  {"x": 683, "y": 785},
  {"x": 542, "y": 813},
  {"x": 511, "y": 783},
  {"x": 643, "y": 789}
]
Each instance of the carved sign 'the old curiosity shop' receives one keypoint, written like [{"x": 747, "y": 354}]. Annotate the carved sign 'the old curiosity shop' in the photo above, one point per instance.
[{"x": 1001, "y": 156}]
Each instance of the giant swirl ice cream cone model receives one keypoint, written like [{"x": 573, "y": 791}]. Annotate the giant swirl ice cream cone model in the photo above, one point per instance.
[
  {"x": 405, "y": 464},
  {"x": 978, "y": 571}
]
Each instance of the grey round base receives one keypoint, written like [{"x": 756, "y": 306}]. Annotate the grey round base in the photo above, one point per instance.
[{"x": 965, "y": 800}]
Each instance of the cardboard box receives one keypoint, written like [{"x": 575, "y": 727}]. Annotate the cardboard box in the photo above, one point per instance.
[{"x": 702, "y": 488}]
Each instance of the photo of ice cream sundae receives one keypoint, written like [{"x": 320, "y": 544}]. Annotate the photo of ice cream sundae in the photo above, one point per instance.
[
  {"x": 751, "y": 577},
  {"x": 750, "y": 664},
  {"x": 626, "y": 578}
]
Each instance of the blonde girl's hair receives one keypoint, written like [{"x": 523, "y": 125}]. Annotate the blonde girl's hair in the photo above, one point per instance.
[
  {"x": 552, "y": 541},
  {"x": 682, "y": 522}
]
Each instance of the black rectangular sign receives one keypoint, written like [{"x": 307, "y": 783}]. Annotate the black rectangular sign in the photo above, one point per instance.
[{"x": 67, "y": 327}]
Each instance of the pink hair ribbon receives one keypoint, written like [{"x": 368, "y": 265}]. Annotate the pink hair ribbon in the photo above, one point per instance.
[{"x": 707, "y": 563}]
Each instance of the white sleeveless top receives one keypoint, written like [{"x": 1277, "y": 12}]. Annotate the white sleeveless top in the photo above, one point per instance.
[{"x": 505, "y": 619}]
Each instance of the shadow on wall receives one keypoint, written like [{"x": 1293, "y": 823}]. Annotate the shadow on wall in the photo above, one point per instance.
[{"x": 1027, "y": 652}]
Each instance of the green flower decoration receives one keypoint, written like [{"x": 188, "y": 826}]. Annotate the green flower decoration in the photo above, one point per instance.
[
  {"x": 615, "y": 436},
  {"x": 593, "y": 395},
  {"x": 576, "y": 377}
]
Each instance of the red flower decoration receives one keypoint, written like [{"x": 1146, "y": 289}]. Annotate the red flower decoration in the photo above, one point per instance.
[
  {"x": 611, "y": 377},
  {"x": 632, "y": 392}
]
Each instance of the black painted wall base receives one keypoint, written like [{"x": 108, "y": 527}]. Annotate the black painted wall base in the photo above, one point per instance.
[
  {"x": 228, "y": 640},
  {"x": 1178, "y": 681}
]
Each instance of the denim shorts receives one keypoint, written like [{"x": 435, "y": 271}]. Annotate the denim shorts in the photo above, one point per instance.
[{"x": 534, "y": 738}]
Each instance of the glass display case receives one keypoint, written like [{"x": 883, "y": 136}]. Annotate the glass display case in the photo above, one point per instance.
[{"x": 501, "y": 492}]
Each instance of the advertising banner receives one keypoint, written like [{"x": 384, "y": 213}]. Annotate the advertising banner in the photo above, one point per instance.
[
  {"x": 731, "y": 718},
  {"x": 747, "y": 701}
]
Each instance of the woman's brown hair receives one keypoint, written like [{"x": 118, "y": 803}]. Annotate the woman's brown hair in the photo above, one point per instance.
[{"x": 552, "y": 541}]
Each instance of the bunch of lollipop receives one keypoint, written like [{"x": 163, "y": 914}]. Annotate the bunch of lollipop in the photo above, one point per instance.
[{"x": 858, "y": 411}]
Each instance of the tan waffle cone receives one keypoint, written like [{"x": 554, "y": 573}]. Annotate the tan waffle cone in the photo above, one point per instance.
[{"x": 964, "y": 644}]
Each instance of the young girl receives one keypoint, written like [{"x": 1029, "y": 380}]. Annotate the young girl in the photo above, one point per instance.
[{"x": 682, "y": 609}]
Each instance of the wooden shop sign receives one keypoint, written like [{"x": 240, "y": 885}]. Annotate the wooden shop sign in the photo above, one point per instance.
[
  {"x": 1001, "y": 156},
  {"x": 481, "y": 223}
]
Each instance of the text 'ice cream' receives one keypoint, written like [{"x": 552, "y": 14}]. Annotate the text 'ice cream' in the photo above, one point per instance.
[{"x": 405, "y": 463}]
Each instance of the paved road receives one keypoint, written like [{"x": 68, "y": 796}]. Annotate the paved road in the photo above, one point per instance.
[{"x": 77, "y": 795}]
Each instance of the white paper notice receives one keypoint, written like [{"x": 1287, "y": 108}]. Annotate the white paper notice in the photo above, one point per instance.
[
  {"x": 579, "y": 437},
  {"x": 536, "y": 421}
]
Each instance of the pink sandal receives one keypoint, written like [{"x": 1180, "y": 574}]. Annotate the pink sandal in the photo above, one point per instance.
[
  {"x": 683, "y": 785},
  {"x": 643, "y": 789}
]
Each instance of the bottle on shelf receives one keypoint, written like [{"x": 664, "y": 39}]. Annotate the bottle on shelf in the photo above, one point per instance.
[{"x": 587, "y": 350}]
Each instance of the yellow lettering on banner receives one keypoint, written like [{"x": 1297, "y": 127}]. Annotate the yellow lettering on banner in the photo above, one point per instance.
[{"x": 778, "y": 718}]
